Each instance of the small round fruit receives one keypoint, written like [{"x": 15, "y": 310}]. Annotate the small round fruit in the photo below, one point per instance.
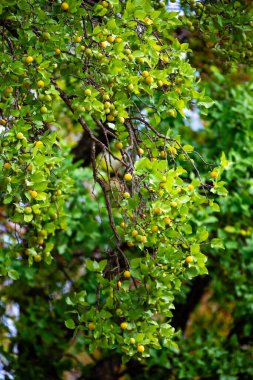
[
  {"x": 173, "y": 204},
  {"x": 126, "y": 195},
  {"x": 141, "y": 60},
  {"x": 132, "y": 340},
  {"x": 149, "y": 80},
  {"x": 3, "y": 122},
  {"x": 128, "y": 177},
  {"x": 37, "y": 258},
  {"x": 20, "y": 136},
  {"x": 123, "y": 325},
  {"x": 130, "y": 87},
  {"x": 123, "y": 225},
  {"x": 29, "y": 59},
  {"x": 87, "y": 92},
  {"x": 134, "y": 233},
  {"x": 130, "y": 244},
  {"x": 28, "y": 210},
  {"x": 148, "y": 21},
  {"x": 7, "y": 165},
  {"x": 34, "y": 194},
  {"x": 78, "y": 39},
  {"x": 141, "y": 151},
  {"x": 110, "y": 117},
  {"x": 167, "y": 220},
  {"x": 30, "y": 167},
  {"x": 104, "y": 44},
  {"x": 158, "y": 211},
  {"x": 189, "y": 259},
  {"x": 140, "y": 348},
  {"x": 119, "y": 284},
  {"x": 127, "y": 274},
  {"x": 57, "y": 51},
  {"x": 48, "y": 98},
  {"x": 43, "y": 109},
  {"x": 82, "y": 47},
  {"x": 110, "y": 39},
  {"x": 64, "y": 6},
  {"x": 118, "y": 145},
  {"x": 214, "y": 174},
  {"x": 145, "y": 74},
  {"x": 154, "y": 229},
  {"x": 40, "y": 84},
  {"x": 144, "y": 239},
  {"x": 190, "y": 187},
  {"x": 91, "y": 326},
  {"x": 121, "y": 120},
  {"x": 105, "y": 4},
  {"x": 8, "y": 90},
  {"x": 160, "y": 83},
  {"x": 106, "y": 97},
  {"x": 39, "y": 144},
  {"x": 118, "y": 40},
  {"x": 172, "y": 113}
]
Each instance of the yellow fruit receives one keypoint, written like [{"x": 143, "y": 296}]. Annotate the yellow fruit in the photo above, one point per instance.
[
  {"x": 34, "y": 194},
  {"x": 165, "y": 58},
  {"x": 131, "y": 57},
  {"x": 82, "y": 47},
  {"x": 119, "y": 283},
  {"x": 121, "y": 120},
  {"x": 189, "y": 259},
  {"x": 149, "y": 80},
  {"x": 39, "y": 144},
  {"x": 57, "y": 51},
  {"x": 173, "y": 204},
  {"x": 91, "y": 326},
  {"x": 132, "y": 340},
  {"x": 167, "y": 220},
  {"x": 141, "y": 60},
  {"x": 140, "y": 348},
  {"x": 3, "y": 122},
  {"x": 123, "y": 325},
  {"x": 130, "y": 244},
  {"x": 160, "y": 83},
  {"x": 154, "y": 229},
  {"x": 40, "y": 83},
  {"x": 143, "y": 239},
  {"x": 110, "y": 117},
  {"x": 29, "y": 59},
  {"x": 7, "y": 165},
  {"x": 20, "y": 136},
  {"x": 148, "y": 21},
  {"x": 40, "y": 241},
  {"x": 110, "y": 39},
  {"x": 29, "y": 168},
  {"x": 8, "y": 90},
  {"x": 37, "y": 258},
  {"x": 118, "y": 145},
  {"x": 104, "y": 44},
  {"x": 145, "y": 74},
  {"x": 128, "y": 177},
  {"x": 214, "y": 174},
  {"x": 122, "y": 224},
  {"x": 134, "y": 233},
  {"x": 162, "y": 153},
  {"x": 105, "y": 4},
  {"x": 162, "y": 184},
  {"x": 127, "y": 274},
  {"x": 158, "y": 211},
  {"x": 64, "y": 6},
  {"x": 128, "y": 51},
  {"x": 173, "y": 151},
  {"x": 126, "y": 195},
  {"x": 190, "y": 187},
  {"x": 78, "y": 39},
  {"x": 141, "y": 151},
  {"x": 87, "y": 92},
  {"x": 118, "y": 40}
]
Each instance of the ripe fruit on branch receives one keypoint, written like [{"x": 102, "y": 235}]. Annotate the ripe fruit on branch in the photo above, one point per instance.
[
  {"x": 91, "y": 326},
  {"x": 158, "y": 211},
  {"x": 127, "y": 274},
  {"x": 173, "y": 204},
  {"x": 40, "y": 83},
  {"x": 140, "y": 348},
  {"x": 87, "y": 92},
  {"x": 29, "y": 59},
  {"x": 118, "y": 145},
  {"x": 33, "y": 194},
  {"x": 123, "y": 325},
  {"x": 128, "y": 177},
  {"x": 214, "y": 174},
  {"x": 126, "y": 195},
  {"x": 189, "y": 259},
  {"x": 7, "y": 165},
  {"x": 20, "y": 136},
  {"x": 64, "y": 6}
]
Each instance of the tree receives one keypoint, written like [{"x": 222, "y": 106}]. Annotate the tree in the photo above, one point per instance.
[{"x": 105, "y": 209}]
